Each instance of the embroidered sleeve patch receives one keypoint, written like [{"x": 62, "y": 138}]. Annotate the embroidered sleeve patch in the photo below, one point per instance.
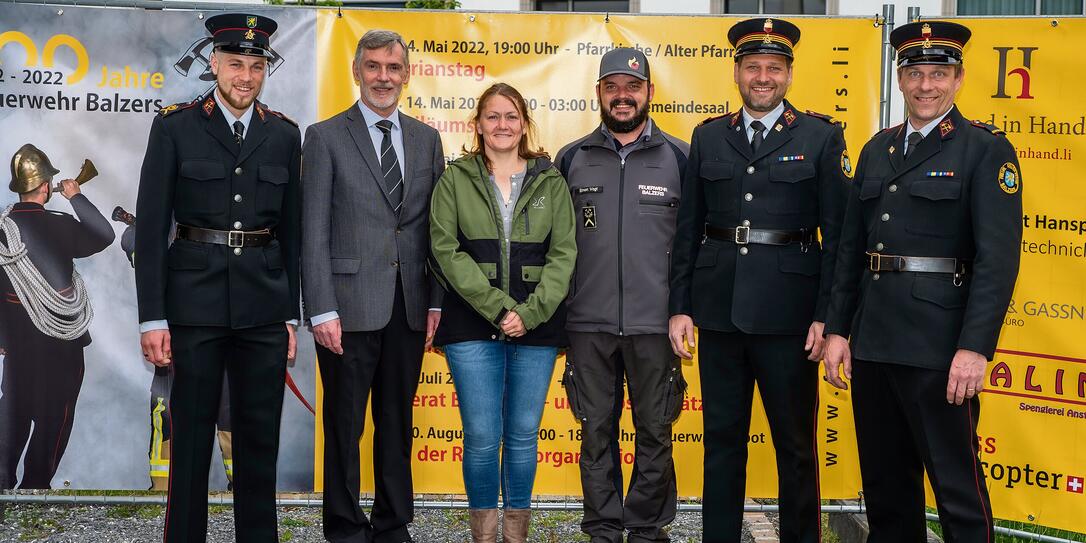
[
  {"x": 846, "y": 164},
  {"x": 1008, "y": 178}
]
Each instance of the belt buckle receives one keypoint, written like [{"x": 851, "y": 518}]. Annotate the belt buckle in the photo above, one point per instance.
[
  {"x": 237, "y": 235},
  {"x": 874, "y": 262},
  {"x": 742, "y": 239}
]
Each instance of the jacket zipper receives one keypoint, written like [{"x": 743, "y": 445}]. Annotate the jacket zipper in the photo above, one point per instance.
[
  {"x": 668, "y": 203},
  {"x": 621, "y": 215}
]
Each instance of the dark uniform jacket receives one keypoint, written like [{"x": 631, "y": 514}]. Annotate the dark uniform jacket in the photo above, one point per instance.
[
  {"x": 196, "y": 174},
  {"x": 956, "y": 195},
  {"x": 626, "y": 210},
  {"x": 796, "y": 180},
  {"x": 52, "y": 240}
]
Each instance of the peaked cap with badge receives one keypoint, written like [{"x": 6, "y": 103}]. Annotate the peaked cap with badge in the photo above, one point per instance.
[
  {"x": 242, "y": 34},
  {"x": 927, "y": 264},
  {"x": 763, "y": 36}
]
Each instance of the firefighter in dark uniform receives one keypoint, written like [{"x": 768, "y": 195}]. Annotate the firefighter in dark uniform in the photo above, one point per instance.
[
  {"x": 43, "y": 364},
  {"x": 927, "y": 265},
  {"x": 158, "y": 451},
  {"x": 749, "y": 271},
  {"x": 219, "y": 297}
]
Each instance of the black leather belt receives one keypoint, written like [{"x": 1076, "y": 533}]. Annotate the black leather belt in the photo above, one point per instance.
[
  {"x": 230, "y": 238},
  {"x": 743, "y": 235},
  {"x": 923, "y": 264}
]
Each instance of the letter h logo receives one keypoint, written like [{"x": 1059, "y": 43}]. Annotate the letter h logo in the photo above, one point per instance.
[{"x": 1022, "y": 72}]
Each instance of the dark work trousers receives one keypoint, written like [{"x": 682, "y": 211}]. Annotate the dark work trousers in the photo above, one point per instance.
[
  {"x": 386, "y": 363},
  {"x": 731, "y": 363},
  {"x": 904, "y": 425},
  {"x": 42, "y": 378},
  {"x": 256, "y": 361},
  {"x": 656, "y": 388}
]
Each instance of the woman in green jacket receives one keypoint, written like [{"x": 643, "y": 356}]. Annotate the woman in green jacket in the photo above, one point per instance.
[{"x": 503, "y": 242}]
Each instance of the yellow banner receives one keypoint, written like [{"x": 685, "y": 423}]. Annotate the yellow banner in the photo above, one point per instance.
[
  {"x": 554, "y": 60},
  {"x": 1033, "y": 425}
]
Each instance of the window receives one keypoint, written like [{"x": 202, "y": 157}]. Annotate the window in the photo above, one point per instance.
[
  {"x": 608, "y": 6},
  {"x": 1020, "y": 7},
  {"x": 772, "y": 7}
]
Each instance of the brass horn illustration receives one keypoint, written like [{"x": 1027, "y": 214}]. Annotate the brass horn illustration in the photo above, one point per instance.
[{"x": 86, "y": 173}]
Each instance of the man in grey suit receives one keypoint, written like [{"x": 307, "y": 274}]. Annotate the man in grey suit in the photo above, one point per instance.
[{"x": 367, "y": 177}]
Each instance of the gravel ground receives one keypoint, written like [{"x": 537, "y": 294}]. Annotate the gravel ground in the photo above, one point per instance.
[{"x": 143, "y": 523}]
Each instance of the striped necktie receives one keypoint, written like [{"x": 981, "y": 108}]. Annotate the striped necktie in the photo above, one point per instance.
[{"x": 390, "y": 166}]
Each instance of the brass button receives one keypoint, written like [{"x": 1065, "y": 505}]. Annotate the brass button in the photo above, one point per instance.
[
  {"x": 493, "y": 336},
  {"x": 750, "y": 169},
  {"x": 237, "y": 225},
  {"x": 743, "y": 250},
  {"x": 237, "y": 197},
  {"x": 748, "y": 196},
  {"x": 875, "y": 277},
  {"x": 893, "y": 188},
  {"x": 237, "y": 251},
  {"x": 746, "y": 223},
  {"x": 237, "y": 171},
  {"x": 879, "y": 246},
  {"x": 885, "y": 217},
  {"x": 395, "y": 263}
]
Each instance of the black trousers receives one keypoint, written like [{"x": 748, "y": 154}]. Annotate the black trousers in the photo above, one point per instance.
[
  {"x": 42, "y": 379},
  {"x": 730, "y": 364},
  {"x": 654, "y": 377},
  {"x": 256, "y": 361},
  {"x": 904, "y": 425},
  {"x": 385, "y": 363}
]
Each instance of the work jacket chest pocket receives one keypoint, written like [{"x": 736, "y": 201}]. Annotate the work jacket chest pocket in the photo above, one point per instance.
[
  {"x": 202, "y": 189},
  {"x": 269, "y": 191},
  {"x": 934, "y": 208},
  {"x": 719, "y": 189},
  {"x": 792, "y": 187}
]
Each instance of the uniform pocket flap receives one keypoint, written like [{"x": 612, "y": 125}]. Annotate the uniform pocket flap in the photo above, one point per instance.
[
  {"x": 871, "y": 187},
  {"x": 276, "y": 175},
  {"x": 489, "y": 269},
  {"x": 531, "y": 273},
  {"x": 273, "y": 257},
  {"x": 706, "y": 257},
  {"x": 346, "y": 265},
  {"x": 792, "y": 260},
  {"x": 183, "y": 256},
  {"x": 939, "y": 291},
  {"x": 791, "y": 173},
  {"x": 714, "y": 171},
  {"x": 202, "y": 170},
  {"x": 936, "y": 190}
]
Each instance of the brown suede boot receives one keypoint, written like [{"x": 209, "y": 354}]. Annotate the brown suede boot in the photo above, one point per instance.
[
  {"x": 484, "y": 525},
  {"x": 515, "y": 525}
]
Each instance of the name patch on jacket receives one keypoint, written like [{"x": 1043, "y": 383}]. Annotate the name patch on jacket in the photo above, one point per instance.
[
  {"x": 589, "y": 190},
  {"x": 652, "y": 190}
]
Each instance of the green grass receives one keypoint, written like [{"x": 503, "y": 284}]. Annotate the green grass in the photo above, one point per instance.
[
  {"x": 145, "y": 512},
  {"x": 1022, "y": 526},
  {"x": 294, "y": 522},
  {"x": 34, "y": 525},
  {"x": 287, "y": 535},
  {"x": 550, "y": 527},
  {"x": 828, "y": 535},
  {"x": 217, "y": 509}
]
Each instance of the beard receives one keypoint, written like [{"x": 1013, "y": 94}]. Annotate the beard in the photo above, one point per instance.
[
  {"x": 759, "y": 104},
  {"x": 240, "y": 104},
  {"x": 617, "y": 126}
]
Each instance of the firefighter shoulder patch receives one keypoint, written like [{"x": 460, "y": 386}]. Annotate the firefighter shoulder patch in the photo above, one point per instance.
[
  {"x": 1008, "y": 178},
  {"x": 174, "y": 108},
  {"x": 846, "y": 164}
]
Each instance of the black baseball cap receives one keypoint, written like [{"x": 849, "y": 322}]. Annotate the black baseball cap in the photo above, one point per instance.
[
  {"x": 624, "y": 60},
  {"x": 242, "y": 34}
]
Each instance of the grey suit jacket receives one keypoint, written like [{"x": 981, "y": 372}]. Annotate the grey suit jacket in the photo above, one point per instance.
[{"x": 353, "y": 243}]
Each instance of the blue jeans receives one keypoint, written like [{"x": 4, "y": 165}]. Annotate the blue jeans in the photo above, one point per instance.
[{"x": 502, "y": 389}]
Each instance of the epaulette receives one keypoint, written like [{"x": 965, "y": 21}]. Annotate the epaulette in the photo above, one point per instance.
[
  {"x": 824, "y": 117},
  {"x": 711, "y": 119},
  {"x": 262, "y": 108},
  {"x": 174, "y": 108},
  {"x": 989, "y": 127},
  {"x": 889, "y": 128}
]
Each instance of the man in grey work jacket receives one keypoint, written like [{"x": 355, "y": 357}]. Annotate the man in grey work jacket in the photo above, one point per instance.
[{"x": 625, "y": 178}]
